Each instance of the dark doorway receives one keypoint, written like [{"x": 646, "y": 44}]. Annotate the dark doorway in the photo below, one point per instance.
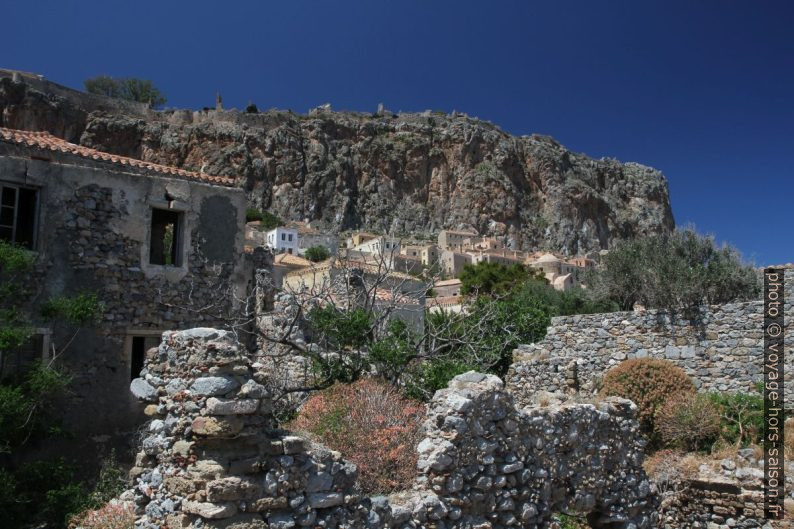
[{"x": 137, "y": 356}]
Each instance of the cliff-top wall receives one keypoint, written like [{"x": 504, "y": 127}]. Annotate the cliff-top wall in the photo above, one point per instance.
[{"x": 411, "y": 173}]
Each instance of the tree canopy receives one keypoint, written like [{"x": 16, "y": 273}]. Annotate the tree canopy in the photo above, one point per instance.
[
  {"x": 129, "y": 88},
  {"x": 487, "y": 278},
  {"x": 316, "y": 254},
  {"x": 679, "y": 271}
]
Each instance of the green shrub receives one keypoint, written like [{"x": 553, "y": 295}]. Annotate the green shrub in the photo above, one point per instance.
[
  {"x": 742, "y": 416},
  {"x": 649, "y": 382},
  {"x": 268, "y": 220},
  {"x": 251, "y": 109},
  {"x": 82, "y": 309},
  {"x": 425, "y": 378},
  {"x": 690, "y": 421},
  {"x": 316, "y": 254}
]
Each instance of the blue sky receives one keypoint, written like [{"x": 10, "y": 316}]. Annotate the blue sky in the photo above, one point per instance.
[{"x": 703, "y": 91}]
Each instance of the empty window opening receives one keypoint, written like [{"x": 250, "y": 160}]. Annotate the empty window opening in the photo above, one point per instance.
[
  {"x": 16, "y": 362},
  {"x": 165, "y": 238},
  {"x": 18, "y": 215}
]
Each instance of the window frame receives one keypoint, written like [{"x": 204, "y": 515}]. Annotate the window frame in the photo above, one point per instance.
[
  {"x": 15, "y": 221},
  {"x": 46, "y": 341},
  {"x": 179, "y": 237}
]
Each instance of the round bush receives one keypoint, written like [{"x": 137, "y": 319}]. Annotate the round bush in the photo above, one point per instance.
[
  {"x": 372, "y": 425},
  {"x": 648, "y": 382},
  {"x": 687, "y": 421}
]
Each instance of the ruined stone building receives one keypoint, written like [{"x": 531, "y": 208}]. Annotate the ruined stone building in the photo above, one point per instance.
[{"x": 161, "y": 247}]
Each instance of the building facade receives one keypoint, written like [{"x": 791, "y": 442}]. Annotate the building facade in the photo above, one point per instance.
[
  {"x": 454, "y": 240},
  {"x": 283, "y": 240},
  {"x": 161, "y": 248}
]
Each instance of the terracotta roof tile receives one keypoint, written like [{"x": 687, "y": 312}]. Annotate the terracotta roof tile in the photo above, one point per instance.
[
  {"x": 46, "y": 141},
  {"x": 288, "y": 259}
]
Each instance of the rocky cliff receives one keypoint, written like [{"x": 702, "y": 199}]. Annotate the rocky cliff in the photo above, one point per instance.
[{"x": 407, "y": 173}]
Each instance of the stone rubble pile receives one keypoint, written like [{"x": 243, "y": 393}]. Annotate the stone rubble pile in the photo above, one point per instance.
[{"x": 213, "y": 456}]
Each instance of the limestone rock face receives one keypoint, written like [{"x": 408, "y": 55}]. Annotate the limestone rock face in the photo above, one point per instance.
[{"x": 412, "y": 173}]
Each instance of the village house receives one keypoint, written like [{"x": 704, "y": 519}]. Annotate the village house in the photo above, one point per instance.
[
  {"x": 457, "y": 241},
  {"x": 283, "y": 240},
  {"x": 486, "y": 243},
  {"x": 310, "y": 237},
  {"x": 354, "y": 283},
  {"x": 452, "y": 263},
  {"x": 427, "y": 253},
  {"x": 359, "y": 237},
  {"x": 161, "y": 248},
  {"x": 562, "y": 274},
  {"x": 379, "y": 245},
  {"x": 447, "y": 287},
  {"x": 504, "y": 257},
  {"x": 285, "y": 263},
  {"x": 446, "y": 304}
]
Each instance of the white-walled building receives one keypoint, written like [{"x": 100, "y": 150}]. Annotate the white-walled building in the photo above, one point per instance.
[
  {"x": 380, "y": 245},
  {"x": 283, "y": 240}
]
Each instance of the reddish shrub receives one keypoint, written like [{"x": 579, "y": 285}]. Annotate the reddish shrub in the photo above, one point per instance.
[
  {"x": 372, "y": 425},
  {"x": 649, "y": 382},
  {"x": 109, "y": 516}
]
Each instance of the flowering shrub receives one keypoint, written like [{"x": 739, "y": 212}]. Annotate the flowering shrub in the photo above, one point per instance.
[
  {"x": 372, "y": 425},
  {"x": 649, "y": 382},
  {"x": 109, "y": 516},
  {"x": 688, "y": 421}
]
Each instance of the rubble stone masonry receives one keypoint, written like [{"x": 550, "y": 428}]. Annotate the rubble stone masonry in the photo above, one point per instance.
[
  {"x": 722, "y": 351},
  {"x": 213, "y": 456}
]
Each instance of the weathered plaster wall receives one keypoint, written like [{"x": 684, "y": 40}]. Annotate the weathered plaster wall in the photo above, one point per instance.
[
  {"x": 214, "y": 458},
  {"x": 93, "y": 235},
  {"x": 724, "y": 351}
]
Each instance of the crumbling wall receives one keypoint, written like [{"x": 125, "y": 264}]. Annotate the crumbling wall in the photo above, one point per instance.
[
  {"x": 93, "y": 235},
  {"x": 723, "y": 351},
  {"x": 718, "y": 495},
  {"x": 214, "y": 457}
]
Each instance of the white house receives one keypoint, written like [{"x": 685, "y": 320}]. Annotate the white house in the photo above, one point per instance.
[
  {"x": 385, "y": 246},
  {"x": 283, "y": 240}
]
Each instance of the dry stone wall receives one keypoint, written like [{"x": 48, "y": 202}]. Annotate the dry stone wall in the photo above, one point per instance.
[
  {"x": 214, "y": 457},
  {"x": 723, "y": 351},
  {"x": 726, "y": 494}
]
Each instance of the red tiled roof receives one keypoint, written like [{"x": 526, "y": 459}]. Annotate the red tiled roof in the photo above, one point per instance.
[
  {"x": 46, "y": 141},
  {"x": 383, "y": 294}
]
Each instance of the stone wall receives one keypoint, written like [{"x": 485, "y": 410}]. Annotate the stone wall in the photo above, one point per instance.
[
  {"x": 214, "y": 457},
  {"x": 722, "y": 351},
  {"x": 717, "y": 495}
]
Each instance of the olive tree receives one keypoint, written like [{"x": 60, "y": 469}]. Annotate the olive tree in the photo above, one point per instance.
[{"x": 680, "y": 271}]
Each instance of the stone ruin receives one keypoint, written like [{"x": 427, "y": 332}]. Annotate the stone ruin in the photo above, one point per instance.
[{"x": 213, "y": 456}]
